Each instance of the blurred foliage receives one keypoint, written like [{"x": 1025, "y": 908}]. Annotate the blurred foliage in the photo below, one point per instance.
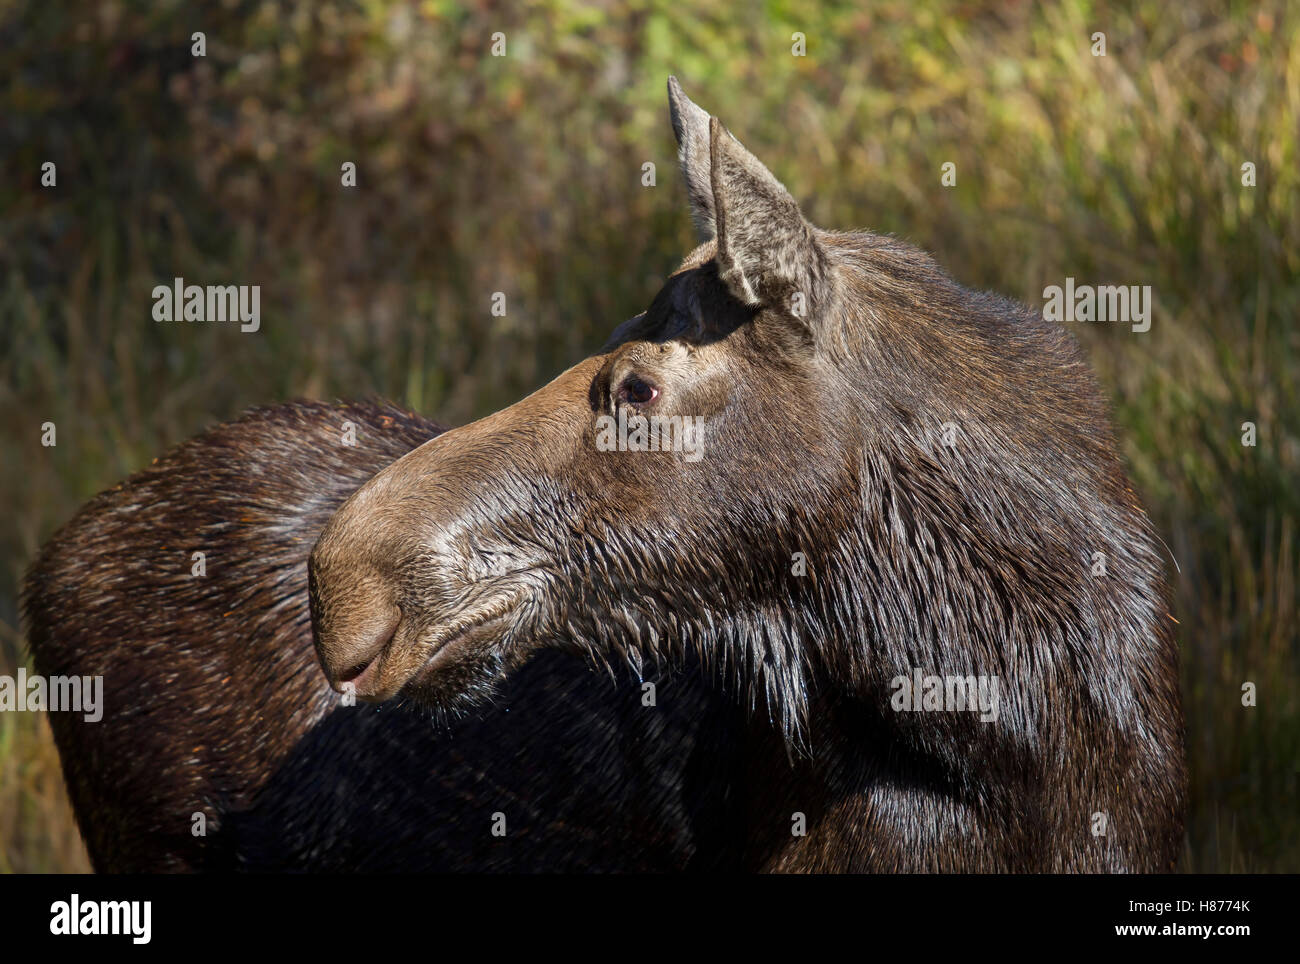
[{"x": 522, "y": 174}]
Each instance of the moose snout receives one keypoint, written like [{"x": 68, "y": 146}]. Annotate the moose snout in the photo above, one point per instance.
[
  {"x": 400, "y": 589},
  {"x": 357, "y": 657},
  {"x": 354, "y": 622}
]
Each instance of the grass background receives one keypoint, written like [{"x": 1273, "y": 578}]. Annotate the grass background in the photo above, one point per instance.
[{"x": 522, "y": 174}]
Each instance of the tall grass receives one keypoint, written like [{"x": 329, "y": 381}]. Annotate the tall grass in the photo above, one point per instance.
[{"x": 523, "y": 175}]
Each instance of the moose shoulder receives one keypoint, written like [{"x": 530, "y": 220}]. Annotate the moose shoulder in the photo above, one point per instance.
[{"x": 898, "y": 484}]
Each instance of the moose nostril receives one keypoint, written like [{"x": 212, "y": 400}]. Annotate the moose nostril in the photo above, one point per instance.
[
  {"x": 365, "y": 652},
  {"x": 363, "y": 678},
  {"x": 353, "y": 674}
]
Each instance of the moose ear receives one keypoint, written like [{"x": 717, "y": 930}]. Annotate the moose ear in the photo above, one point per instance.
[
  {"x": 767, "y": 253},
  {"x": 691, "y": 127}
]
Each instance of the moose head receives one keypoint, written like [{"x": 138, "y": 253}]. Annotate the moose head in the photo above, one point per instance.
[{"x": 814, "y": 461}]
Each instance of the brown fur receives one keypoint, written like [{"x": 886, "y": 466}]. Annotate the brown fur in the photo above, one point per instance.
[
  {"x": 215, "y": 704},
  {"x": 825, "y": 366}
]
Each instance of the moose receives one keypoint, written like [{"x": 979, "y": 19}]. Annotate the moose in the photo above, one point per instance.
[{"x": 636, "y": 656}]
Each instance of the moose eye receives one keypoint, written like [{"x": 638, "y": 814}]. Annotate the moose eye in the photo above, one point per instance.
[{"x": 635, "y": 391}]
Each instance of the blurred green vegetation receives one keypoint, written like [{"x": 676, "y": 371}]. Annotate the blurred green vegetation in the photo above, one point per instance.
[{"x": 522, "y": 174}]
